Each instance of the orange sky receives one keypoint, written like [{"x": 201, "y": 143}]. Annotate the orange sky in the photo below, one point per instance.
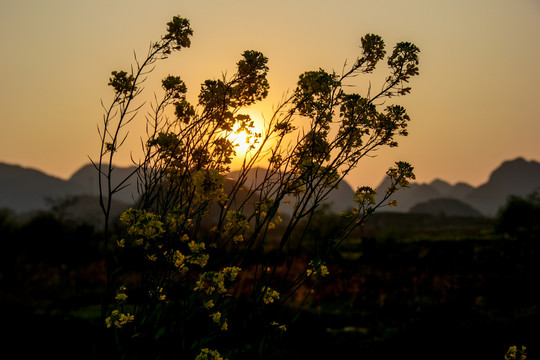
[{"x": 474, "y": 105}]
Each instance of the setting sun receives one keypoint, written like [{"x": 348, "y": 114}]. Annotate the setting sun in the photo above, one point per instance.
[
  {"x": 242, "y": 141},
  {"x": 246, "y": 141}
]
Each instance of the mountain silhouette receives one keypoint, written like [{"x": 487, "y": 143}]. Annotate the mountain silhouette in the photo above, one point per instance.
[
  {"x": 338, "y": 200},
  {"x": 516, "y": 177},
  {"x": 513, "y": 177},
  {"x": 86, "y": 178},
  {"x": 407, "y": 197},
  {"x": 457, "y": 191},
  {"x": 24, "y": 190}
]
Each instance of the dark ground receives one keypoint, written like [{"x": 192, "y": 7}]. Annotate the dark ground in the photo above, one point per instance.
[{"x": 434, "y": 296}]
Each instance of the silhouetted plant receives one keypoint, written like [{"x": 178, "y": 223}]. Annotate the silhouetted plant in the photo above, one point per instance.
[{"x": 216, "y": 258}]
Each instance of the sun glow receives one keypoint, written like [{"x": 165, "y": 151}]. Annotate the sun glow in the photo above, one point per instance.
[
  {"x": 243, "y": 142},
  {"x": 246, "y": 141}
]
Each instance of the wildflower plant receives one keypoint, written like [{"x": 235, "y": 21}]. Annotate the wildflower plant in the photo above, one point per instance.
[{"x": 195, "y": 242}]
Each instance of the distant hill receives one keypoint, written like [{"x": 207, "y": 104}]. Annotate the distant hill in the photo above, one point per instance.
[
  {"x": 445, "y": 207},
  {"x": 86, "y": 178},
  {"x": 457, "y": 191},
  {"x": 408, "y": 197},
  {"x": 513, "y": 177},
  {"x": 23, "y": 189},
  {"x": 338, "y": 200}
]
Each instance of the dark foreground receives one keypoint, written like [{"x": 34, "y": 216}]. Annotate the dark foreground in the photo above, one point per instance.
[{"x": 466, "y": 298}]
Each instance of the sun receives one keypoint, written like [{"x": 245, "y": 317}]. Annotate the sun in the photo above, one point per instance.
[
  {"x": 246, "y": 142},
  {"x": 242, "y": 141}
]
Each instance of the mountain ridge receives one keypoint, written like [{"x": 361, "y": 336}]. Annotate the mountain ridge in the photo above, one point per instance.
[
  {"x": 25, "y": 189},
  {"x": 513, "y": 177}
]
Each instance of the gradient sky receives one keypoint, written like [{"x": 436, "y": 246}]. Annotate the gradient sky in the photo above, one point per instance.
[{"x": 475, "y": 104}]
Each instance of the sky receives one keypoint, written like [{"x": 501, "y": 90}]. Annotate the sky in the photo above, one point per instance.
[{"x": 475, "y": 104}]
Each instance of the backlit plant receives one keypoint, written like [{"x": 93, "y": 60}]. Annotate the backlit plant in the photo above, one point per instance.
[{"x": 205, "y": 263}]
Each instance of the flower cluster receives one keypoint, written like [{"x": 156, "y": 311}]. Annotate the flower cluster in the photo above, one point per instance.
[
  {"x": 400, "y": 176},
  {"x": 317, "y": 268},
  {"x": 209, "y": 186},
  {"x": 177, "y": 222},
  {"x": 514, "y": 353},
  {"x": 214, "y": 284},
  {"x": 179, "y": 261},
  {"x": 364, "y": 195},
  {"x": 207, "y": 354},
  {"x": 219, "y": 320},
  {"x": 235, "y": 221},
  {"x": 118, "y": 319},
  {"x": 198, "y": 255},
  {"x": 274, "y": 222},
  {"x": 142, "y": 224},
  {"x": 270, "y": 296}
]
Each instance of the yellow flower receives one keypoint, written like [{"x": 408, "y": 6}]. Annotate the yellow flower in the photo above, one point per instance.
[
  {"x": 196, "y": 247},
  {"x": 324, "y": 271},
  {"x": 230, "y": 273},
  {"x": 121, "y": 297},
  {"x": 117, "y": 319},
  {"x": 270, "y": 296},
  {"x": 142, "y": 223},
  {"x": 214, "y": 283},
  {"x": 209, "y": 186},
  {"x": 514, "y": 353},
  {"x": 199, "y": 257},
  {"x": 280, "y": 327},
  {"x": 236, "y": 220},
  {"x": 216, "y": 317},
  {"x": 317, "y": 269},
  {"x": 275, "y": 221},
  {"x": 158, "y": 293},
  {"x": 179, "y": 259},
  {"x": 207, "y": 354},
  {"x": 224, "y": 326}
]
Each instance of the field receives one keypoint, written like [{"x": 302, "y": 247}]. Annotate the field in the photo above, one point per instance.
[{"x": 405, "y": 286}]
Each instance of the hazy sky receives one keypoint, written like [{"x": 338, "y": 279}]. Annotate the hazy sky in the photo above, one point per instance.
[{"x": 475, "y": 104}]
